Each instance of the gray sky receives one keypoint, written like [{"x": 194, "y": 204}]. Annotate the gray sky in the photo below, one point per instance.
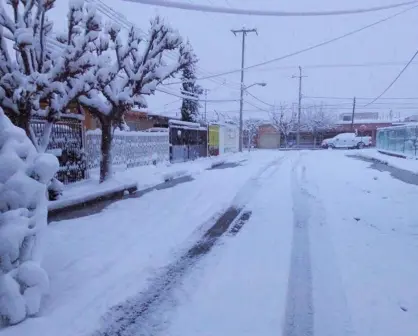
[{"x": 219, "y": 50}]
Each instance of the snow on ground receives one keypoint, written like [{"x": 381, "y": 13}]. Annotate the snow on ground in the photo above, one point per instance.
[
  {"x": 330, "y": 249},
  {"x": 241, "y": 287},
  {"x": 371, "y": 220},
  {"x": 143, "y": 177},
  {"x": 98, "y": 261},
  {"x": 410, "y": 163}
]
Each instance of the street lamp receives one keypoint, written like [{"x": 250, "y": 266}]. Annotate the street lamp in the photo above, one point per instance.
[
  {"x": 241, "y": 126},
  {"x": 259, "y": 84}
]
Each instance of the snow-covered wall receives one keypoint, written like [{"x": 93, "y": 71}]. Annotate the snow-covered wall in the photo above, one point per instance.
[{"x": 129, "y": 149}]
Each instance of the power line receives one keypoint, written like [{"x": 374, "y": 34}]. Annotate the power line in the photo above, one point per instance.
[
  {"x": 225, "y": 10},
  {"x": 124, "y": 22},
  {"x": 295, "y": 53},
  {"x": 395, "y": 80},
  {"x": 325, "y": 66},
  {"x": 257, "y": 107},
  {"x": 195, "y": 98},
  {"x": 344, "y": 98},
  {"x": 258, "y": 99}
]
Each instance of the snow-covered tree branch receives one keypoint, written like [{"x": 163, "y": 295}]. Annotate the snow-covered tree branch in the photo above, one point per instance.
[
  {"x": 251, "y": 129},
  {"x": 41, "y": 79},
  {"x": 284, "y": 121},
  {"x": 129, "y": 68},
  {"x": 316, "y": 120}
]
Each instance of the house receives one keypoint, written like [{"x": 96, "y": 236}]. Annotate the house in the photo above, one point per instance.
[
  {"x": 268, "y": 137},
  {"x": 136, "y": 119}
]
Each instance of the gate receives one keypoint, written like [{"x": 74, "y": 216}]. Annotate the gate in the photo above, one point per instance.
[{"x": 66, "y": 143}]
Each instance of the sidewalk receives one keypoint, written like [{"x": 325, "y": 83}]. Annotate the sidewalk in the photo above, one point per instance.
[
  {"x": 133, "y": 179},
  {"x": 408, "y": 164}
]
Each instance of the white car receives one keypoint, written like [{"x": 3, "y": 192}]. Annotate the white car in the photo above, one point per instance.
[{"x": 347, "y": 140}]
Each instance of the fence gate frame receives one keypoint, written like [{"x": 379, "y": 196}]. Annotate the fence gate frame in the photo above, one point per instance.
[{"x": 67, "y": 143}]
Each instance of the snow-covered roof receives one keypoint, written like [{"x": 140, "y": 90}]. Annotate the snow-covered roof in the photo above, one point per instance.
[
  {"x": 366, "y": 121},
  {"x": 183, "y": 123},
  {"x": 400, "y": 125}
]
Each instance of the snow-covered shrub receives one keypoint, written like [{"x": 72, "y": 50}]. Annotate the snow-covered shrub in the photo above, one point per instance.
[{"x": 24, "y": 176}]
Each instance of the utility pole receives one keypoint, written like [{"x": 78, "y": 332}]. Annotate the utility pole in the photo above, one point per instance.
[
  {"x": 244, "y": 33},
  {"x": 353, "y": 114},
  {"x": 299, "y": 105}
]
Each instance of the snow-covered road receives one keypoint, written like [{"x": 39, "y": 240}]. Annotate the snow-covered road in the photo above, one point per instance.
[
  {"x": 288, "y": 243},
  {"x": 330, "y": 249}
]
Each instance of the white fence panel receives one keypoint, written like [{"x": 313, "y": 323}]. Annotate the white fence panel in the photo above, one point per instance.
[{"x": 129, "y": 149}]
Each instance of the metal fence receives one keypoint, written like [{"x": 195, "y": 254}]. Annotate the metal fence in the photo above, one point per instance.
[
  {"x": 182, "y": 153},
  {"x": 66, "y": 143},
  {"x": 129, "y": 149},
  {"x": 399, "y": 139}
]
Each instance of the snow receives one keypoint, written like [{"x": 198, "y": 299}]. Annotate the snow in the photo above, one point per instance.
[
  {"x": 330, "y": 249},
  {"x": 375, "y": 253},
  {"x": 409, "y": 163},
  {"x": 241, "y": 288},
  {"x": 184, "y": 123},
  {"x": 87, "y": 277},
  {"x": 141, "y": 177},
  {"x": 129, "y": 133},
  {"x": 23, "y": 214}
]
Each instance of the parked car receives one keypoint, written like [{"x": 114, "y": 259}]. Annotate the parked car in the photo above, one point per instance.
[{"x": 347, "y": 140}]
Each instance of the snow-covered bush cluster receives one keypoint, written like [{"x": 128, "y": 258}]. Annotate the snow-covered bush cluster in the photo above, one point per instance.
[{"x": 24, "y": 176}]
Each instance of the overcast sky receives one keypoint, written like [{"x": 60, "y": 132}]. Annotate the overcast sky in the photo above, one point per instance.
[{"x": 219, "y": 50}]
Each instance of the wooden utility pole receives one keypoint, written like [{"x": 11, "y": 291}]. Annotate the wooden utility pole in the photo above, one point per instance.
[
  {"x": 244, "y": 33},
  {"x": 353, "y": 114},
  {"x": 299, "y": 105}
]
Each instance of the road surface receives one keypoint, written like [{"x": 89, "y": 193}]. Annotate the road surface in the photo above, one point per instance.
[{"x": 296, "y": 243}]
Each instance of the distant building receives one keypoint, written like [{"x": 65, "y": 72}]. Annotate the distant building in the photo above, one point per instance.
[
  {"x": 412, "y": 118},
  {"x": 359, "y": 116}
]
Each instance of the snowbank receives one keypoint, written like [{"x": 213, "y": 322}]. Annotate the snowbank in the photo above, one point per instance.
[
  {"x": 141, "y": 177},
  {"x": 24, "y": 176},
  {"x": 409, "y": 163}
]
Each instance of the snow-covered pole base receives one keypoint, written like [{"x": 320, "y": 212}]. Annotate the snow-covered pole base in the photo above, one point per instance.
[{"x": 24, "y": 175}]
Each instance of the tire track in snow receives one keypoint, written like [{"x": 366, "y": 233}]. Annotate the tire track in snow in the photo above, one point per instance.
[
  {"x": 316, "y": 300},
  {"x": 299, "y": 313},
  {"x": 144, "y": 314}
]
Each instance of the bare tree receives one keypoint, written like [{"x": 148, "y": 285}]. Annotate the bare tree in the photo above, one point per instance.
[
  {"x": 284, "y": 121},
  {"x": 317, "y": 120},
  {"x": 251, "y": 129},
  {"x": 130, "y": 69}
]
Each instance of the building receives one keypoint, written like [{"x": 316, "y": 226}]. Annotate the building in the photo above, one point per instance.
[
  {"x": 136, "y": 119},
  {"x": 223, "y": 138},
  {"x": 268, "y": 137},
  {"x": 364, "y": 123}
]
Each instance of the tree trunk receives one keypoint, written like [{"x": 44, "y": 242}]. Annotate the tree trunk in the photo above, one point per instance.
[
  {"x": 23, "y": 121},
  {"x": 106, "y": 146}
]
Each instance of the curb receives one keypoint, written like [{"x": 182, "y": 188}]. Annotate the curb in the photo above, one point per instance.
[
  {"x": 115, "y": 193},
  {"x": 401, "y": 156}
]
